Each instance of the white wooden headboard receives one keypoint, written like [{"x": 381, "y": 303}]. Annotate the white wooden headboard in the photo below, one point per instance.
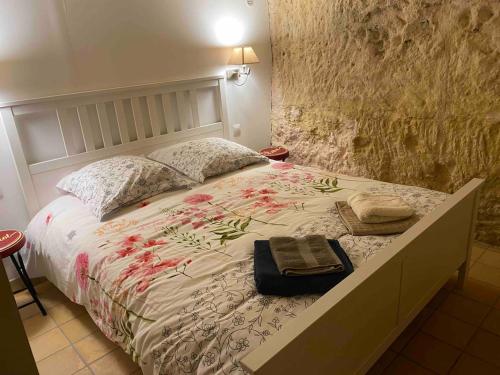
[{"x": 53, "y": 136}]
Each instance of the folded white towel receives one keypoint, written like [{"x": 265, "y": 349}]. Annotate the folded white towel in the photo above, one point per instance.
[{"x": 372, "y": 208}]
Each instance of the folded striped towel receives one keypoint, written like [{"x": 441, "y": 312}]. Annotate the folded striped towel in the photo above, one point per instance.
[
  {"x": 373, "y": 208},
  {"x": 269, "y": 280},
  {"x": 309, "y": 255},
  {"x": 358, "y": 228}
]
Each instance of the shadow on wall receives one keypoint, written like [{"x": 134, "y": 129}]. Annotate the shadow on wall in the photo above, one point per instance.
[
  {"x": 21, "y": 79},
  {"x": 401, "y": 92}
]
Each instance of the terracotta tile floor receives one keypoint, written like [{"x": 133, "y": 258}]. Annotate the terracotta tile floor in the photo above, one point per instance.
[
  {"x": 66, "y": 341},
  {"x": 457, "y": 333}
]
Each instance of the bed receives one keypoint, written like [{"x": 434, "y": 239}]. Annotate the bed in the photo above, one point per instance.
[{"x": 170, "y": 278}]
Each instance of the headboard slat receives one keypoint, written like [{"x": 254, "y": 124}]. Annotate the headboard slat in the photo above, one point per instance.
[
  {"x": 104, "y": 125},
  {"x": 193, "y": 98},
  {"x": 138, "y": 120},
  {"x": 181, "y": 109},
  {"x": 88, "y": 137},
  {"x": 153, "y": 115},
  {"x": 168, "y": 111},
  {"x": 66, "y": 136},
  {"x": 122, "y": 121}
]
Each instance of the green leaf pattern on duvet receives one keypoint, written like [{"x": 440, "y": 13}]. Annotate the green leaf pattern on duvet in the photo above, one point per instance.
[
  {"x": 190, "y": 239},
  {"x": 326, "y": 185},
  {"x": 231, "y": 230}
]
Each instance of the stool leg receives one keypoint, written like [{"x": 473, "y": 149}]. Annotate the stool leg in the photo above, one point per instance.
[{"x": 21, "y": 270}]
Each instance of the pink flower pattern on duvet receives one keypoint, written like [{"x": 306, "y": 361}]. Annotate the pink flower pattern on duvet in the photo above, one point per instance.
[
  {"x": 282, "y": 166},
  {"x": 82, "y": 270},
  {"x": 144, "y": 266},
  {"x": 202, "y": 224},
  {"x": 198, "y": 198},
  {"x": 172, "y": 282}
]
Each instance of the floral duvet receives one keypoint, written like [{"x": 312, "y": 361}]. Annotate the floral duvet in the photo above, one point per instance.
[{"x": 171, "y": 279}]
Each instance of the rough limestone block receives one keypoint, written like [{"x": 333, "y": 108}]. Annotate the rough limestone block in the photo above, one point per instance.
[{"x": 400, "y": 91}]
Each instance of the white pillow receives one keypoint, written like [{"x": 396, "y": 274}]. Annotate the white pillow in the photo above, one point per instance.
[
  {"x": 200, "y": 159},
  {"x": 109, "y": 184}
]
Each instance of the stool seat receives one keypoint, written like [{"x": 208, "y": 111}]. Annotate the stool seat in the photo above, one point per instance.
[
  {"x": 11, "y": 241},
  {"x": 275, "y": 153}
]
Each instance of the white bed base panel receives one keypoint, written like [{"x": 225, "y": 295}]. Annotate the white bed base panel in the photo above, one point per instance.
[
  {"x": 158, "y": 115},
  {"x": 352, "y": 325}
]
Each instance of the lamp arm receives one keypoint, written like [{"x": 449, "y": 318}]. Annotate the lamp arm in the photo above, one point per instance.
[
  {"x": 245, "y": 70},
  {"x": 237, "y": 83}
]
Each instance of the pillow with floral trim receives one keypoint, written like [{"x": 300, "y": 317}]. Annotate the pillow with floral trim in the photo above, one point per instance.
[
  {"x": 203, "y": 158},
  {"x": 109, "y": 184}
]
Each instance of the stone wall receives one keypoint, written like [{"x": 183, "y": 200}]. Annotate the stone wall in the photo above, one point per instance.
[{"x": 404, "y": 91}]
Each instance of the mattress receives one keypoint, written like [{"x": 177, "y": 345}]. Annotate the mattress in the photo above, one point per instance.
[{"x": 170, "y": 279}]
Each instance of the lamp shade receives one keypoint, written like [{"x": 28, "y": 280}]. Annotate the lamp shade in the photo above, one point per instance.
[{"x": 243, "y": 56}]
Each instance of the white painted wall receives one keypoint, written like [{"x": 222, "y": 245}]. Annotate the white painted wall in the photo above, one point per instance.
[{"x": 50, "y": 47}]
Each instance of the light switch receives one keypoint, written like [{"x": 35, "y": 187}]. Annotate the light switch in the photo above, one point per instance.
[{"x": 236, "y": 130}]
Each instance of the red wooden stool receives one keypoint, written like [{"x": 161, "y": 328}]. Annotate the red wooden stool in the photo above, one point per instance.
[
  {"x": 275, "y": 153},
  {"x": 11, "y": 241}
]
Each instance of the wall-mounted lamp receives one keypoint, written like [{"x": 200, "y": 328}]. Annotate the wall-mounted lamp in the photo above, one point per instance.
[{"x": 241, "y": 56}]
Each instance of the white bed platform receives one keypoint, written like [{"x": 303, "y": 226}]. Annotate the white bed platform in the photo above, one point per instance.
[
  {"x": 348, "y": 328},
  {"x": 352, "y": 325}
]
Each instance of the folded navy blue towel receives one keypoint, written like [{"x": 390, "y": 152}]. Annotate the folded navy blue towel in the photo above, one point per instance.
[{"x": 269, "y": 280}]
